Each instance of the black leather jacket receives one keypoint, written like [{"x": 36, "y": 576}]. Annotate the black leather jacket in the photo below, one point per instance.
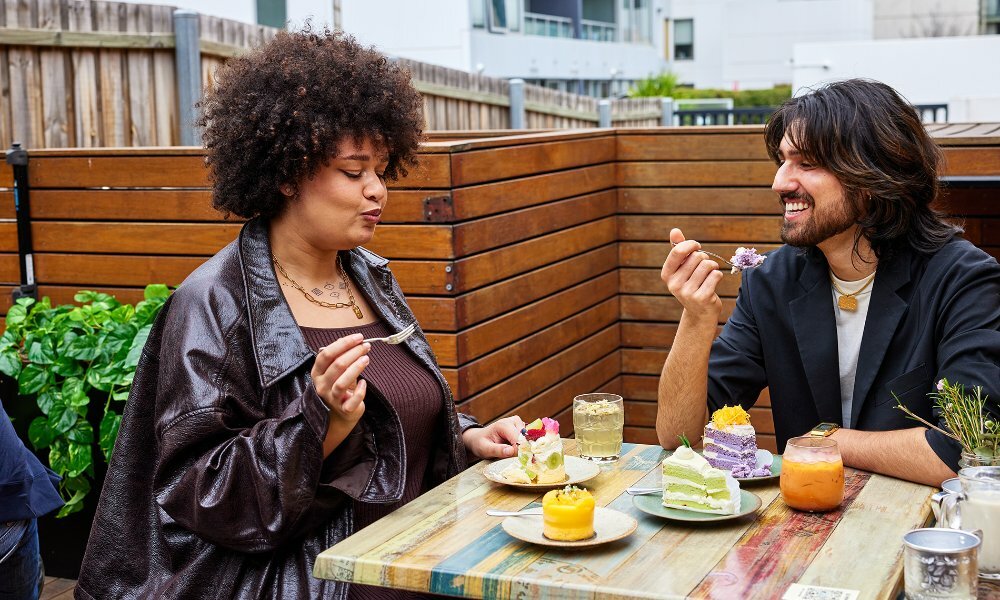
[{"x": 217, "y": 485}]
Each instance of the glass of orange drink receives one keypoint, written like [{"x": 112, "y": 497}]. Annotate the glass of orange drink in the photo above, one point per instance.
[{"x": 812, "y": 474}]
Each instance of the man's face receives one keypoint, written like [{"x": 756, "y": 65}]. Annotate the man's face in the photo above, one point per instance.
[{"x": 815, "y": 207}]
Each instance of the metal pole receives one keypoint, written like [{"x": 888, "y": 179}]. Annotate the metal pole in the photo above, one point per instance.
[
  {"x": 188, "y": 59},
  {"x": 517, "y": 118},
  {"x": 604, "y": 113},
  {"x": 667, "y": 114},
  {"x": 17, "y": 158}
]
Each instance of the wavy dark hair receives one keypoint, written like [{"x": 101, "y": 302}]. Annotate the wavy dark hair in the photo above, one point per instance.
[
  {"x": 873, "y": 142},
  {"x": 276, "y": 114}
]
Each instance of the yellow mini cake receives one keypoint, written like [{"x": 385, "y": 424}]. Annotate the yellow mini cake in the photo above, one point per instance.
[{"x": 568, "y": 514}]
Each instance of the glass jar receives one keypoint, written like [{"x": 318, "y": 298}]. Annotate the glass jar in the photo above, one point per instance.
[
  {"x": 971, "y": 459},
  {"x": 812, "y": 474}
]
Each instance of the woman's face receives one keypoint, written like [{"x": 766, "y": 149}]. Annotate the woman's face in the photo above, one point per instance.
[{"x": 339, "y": 207}]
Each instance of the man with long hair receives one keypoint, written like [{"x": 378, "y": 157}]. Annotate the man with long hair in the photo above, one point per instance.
[{"x": 874, "y": 296}]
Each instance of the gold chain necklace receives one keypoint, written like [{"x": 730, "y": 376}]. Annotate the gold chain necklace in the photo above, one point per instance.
[
  {"x": 352, "y": 304},
  {"x": 848, "y": 301}
]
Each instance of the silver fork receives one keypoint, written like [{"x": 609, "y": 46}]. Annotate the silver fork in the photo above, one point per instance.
[
  {"x": 397, "y": 337},
  {"x": 712, "y": 254},
  {"x": 528, "y": 512},
  {"x": 642, "y": 491}
]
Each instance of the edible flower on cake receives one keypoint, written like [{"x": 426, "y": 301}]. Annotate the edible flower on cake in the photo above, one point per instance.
[
  {"x": 730, "y": 443},
  {"x": 745, "y": 258},
  {"x": 690, "y": 483},
  {"x": 568, "y": 514},
  {"x": 539, "y": 454}
]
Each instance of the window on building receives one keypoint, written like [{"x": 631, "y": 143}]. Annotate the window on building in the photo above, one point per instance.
[
  {"x": 684, "y": 39},
  {"x": 504, "y": 15},
  {"x": 273, "y": 13},
  {"x": 637, "y": 21},
  {"x": 666, "y": 39},
  {"x": 477, "y": 11}
]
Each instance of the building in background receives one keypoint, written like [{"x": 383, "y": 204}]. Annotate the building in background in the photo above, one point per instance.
[{"x": 600, "y": 47}]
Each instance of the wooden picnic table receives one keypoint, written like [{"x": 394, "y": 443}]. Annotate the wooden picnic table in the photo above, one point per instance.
[{"x": 443, "y": 542}]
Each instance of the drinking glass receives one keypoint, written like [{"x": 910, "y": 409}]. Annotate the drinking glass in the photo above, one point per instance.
[
  {"x": 598, "y": 420},
  {"x": 940, "y": 563},
  {"x": 977, "y": 509},
  {"x": 812, "y": 474}
]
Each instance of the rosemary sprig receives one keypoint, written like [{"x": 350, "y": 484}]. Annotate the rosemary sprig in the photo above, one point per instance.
[{"x": 965, "y": 417}]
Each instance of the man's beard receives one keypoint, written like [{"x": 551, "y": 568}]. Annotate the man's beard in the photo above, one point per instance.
[{"x": 820, "y": 227}]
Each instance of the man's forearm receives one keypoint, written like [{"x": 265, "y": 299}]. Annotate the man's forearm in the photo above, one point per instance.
[
  {"x": 683, "y": 390},
  {"x": 903, "y": 453}
]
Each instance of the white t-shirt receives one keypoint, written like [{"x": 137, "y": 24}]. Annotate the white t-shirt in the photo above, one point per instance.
[{"x": 850, "y": 328}]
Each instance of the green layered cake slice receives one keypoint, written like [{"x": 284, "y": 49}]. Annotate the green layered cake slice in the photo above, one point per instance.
[{"x": 689, "y": 482}]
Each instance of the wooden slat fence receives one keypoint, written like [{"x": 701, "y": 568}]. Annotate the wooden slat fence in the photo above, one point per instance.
[
  {"x": 89, "y": 73},
  {"x": 532, "y": 260}
]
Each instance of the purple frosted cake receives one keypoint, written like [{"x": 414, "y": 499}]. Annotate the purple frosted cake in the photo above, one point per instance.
[{"x": 731, "y": 443}]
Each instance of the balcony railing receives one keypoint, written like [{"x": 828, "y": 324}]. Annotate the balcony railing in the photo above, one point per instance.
[
  {"x": 547, "y": 25},
  {"x": 758, "y": 115},
  {"x": 599, "y": 31}
]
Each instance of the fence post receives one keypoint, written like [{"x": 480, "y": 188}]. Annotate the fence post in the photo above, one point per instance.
[
  {"x": 604, "y": 113},
  {"x": 667, "y": 112},
  {"x": 517, "y": 117},
  {"x": 17, "y": 158},
  {"x": 188, "y": 61}
]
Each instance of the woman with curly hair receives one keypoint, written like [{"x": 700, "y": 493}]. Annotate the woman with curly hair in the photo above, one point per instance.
[{"x": 261, "y": 429}]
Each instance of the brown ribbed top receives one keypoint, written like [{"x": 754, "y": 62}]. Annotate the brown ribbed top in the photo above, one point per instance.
[{"x": 414, "y": 393}]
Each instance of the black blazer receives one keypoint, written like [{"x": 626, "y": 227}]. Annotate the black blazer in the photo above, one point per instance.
[{"x": 929, "y": 317}]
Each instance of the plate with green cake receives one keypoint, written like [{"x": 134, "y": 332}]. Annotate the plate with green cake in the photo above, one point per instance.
[{"x": 653, "y": 504}]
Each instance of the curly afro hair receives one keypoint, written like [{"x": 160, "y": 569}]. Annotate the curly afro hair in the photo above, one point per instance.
[{"x": 277, "y": 113}]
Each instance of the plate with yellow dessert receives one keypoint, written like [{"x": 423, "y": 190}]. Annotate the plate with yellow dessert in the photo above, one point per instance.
[
  {"x": 540, "y": 461},
  {"x": 569, "y": 519}
]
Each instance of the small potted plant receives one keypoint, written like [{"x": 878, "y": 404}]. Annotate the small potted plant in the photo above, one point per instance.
[{"x": 968, "y": 422}]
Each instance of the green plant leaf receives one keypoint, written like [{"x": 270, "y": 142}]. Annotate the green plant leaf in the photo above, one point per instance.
[
  {"x": 156, "y": 290},
  {"x": 74, "y": 393},
  {"x": 84, "y": 347},
  {"x": 47, "y": 398},
  {"x": 109, "y": 432},
  {"x": 82, "y": 433},
  {"x": 80, "y": 458},
  {"x": 17, "y": 314},
  {"x": 57, "y": 456},
  {"x": 40, "y": 434},
  {"x": 10, "y": 362},
  {"x": 138, "y": 343},
  {"x": 26, "y": 301},
  {"x": 32, "y": 379},
  {"x": 84, "y": 296},
  {"x": 74, "y": 504},
  {"x": 62, "y": 417},
  {"x": 67, "y": 367},
  {"x": 41, "y": 352}
]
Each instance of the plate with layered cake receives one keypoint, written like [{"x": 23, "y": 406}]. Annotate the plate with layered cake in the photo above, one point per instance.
[
  {"x": 570, "y": 519},
  {"x": 730, "y": 444},
  {"x": 540, "y": 461},
  {"x": 694, "y": 490}
]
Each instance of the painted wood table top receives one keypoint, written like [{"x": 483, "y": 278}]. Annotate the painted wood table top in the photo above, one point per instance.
[{"x": 444, "y": 542}]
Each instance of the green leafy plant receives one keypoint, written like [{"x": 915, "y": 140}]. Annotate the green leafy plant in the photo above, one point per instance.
[
  {"x": 966, "y": 417},
  {"x": 668, "y": 85},
  {"x": 65, "y": 356}
]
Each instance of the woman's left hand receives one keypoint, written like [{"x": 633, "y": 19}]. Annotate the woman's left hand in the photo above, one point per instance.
[{"x": 496, "y": 440}]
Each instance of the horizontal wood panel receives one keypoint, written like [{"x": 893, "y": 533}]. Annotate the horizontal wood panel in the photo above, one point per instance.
[
  {"x": 971, "y": 161},
  {"x": 125, "y": 205},
  {"x": 496, "y": 265},
  {"x": 505, "y": 329},
  {"x": 10, "y": 268},
  {"x": 509, "y": 392},
  {"x": 393, "y": 241},
  {"x": 647, "y": 435},
  {"x": 434, "y": 314},
  {"x": 643, "y": 361},
  {"x": 129, "y": 171},
  {"x": 696, "y": 173},
  {"x": 501, "y": 196},
  {"x": 969, "y": 201},
  {"x": 663, "y": 308},
  {"x": 715, "y": 201},
  {"x": 558, "y": 399},
  {"x": 737, "y": 230},
  {"x": 8, "y": 236},
  {"x": 653, "y": 254},
  {"x": 515, "y": 358},
  {"x": 643, "y": 414},
  {"x": 643, "y": 387},
  {"x": 7, "y": 204},
  {"x": 492, "y": 232},
  {"x": 478, "y": 166},
  {"x": 493, "y": 300},
  {"x": 697, "y": 146},
  {"x": 647, "y": 281}
]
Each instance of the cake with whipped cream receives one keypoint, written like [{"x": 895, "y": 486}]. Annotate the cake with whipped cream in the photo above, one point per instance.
[
  {"x": 539, "y": 454},
  {"x": 690, "y": 483},
  {"x": 730, "y": 443}
]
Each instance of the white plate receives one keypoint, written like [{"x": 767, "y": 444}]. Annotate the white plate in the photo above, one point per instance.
[
  {"x": 578, "y": 470},
  {"x": 609, "y": 525}
]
